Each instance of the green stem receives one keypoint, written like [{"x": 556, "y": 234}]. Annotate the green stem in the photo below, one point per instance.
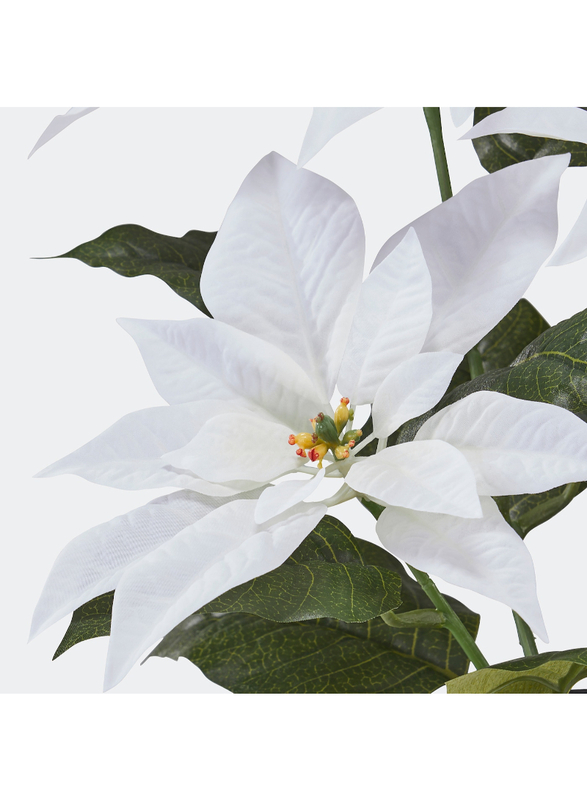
[
  {"x": 475, "y": 363},
  {"x": 432, "y": 114},
  {"x": 525, "y": 636},
  {"x": 452, "y": 621}
]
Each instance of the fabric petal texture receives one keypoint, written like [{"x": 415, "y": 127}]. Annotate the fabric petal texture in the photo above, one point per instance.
[
  {"x": 513, "y": 446},
  {"x": 287, "y": 265},
  {"x": 484, "y": 555},
  {"x": 412, "y": 388},
  {"x": 93, "y": 562},
  {"x": 60, "y": 123},
  {"x": 391, "y": 321},
  {"x": 569, "y": 124},
  {"x": 222, "y": 550},
  {"x": 419, "y": 476},
  {"x": 325, "y": 124},
  {"x": 484, "y": 246},
  {"x": 233, "y": 447},
  {"x": 206, "y": 359},
  {"x": 131, "y": 453}
]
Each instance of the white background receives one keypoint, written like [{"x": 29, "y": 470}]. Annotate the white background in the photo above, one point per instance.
[{"x": 73, "y": 371}]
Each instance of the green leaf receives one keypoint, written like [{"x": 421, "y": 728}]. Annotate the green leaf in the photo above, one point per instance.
[
  {"x": 551, "y": 369},
  {"x": 246, "y": 653},
  {"x": 503, "y": 343},
  {"x": 504, "y": 149},
  {"x": 331, "y": 574},
  {"x": 88, "y": 622},
  {"x": 511, "y": 335},
  {"x": 547, "y": 673},
  {"x": 132, "y": 250}
]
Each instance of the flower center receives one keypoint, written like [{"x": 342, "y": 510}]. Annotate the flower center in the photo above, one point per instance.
[{"x": 327, "y": 436}]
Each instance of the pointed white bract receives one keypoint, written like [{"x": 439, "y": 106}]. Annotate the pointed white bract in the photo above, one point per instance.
[
  {"x": 411, "y": 389},
  {"x": 391, "y": 322},
  {"x": 287, "y": 264},
  {"x": 133, "y": 453},
  {"x": 568, "y": 124},
  {"x": 325, "y": 124},
  {"x": 206, "y": 359},
  {"x": 513, "y": 446},
  {"x": 221, "y": 551},
  {"x": 484, "y": 246},
  {"x": 484, "y": 555},
  {"x": 93, "y": 562},
  {"x": 60, "y": 123},
  {"x": 425, "y": 476}
]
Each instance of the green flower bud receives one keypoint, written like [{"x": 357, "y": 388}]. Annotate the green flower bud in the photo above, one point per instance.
[
  {"x": 352, "y": 435},
  {"x": 326, "y": 429}
]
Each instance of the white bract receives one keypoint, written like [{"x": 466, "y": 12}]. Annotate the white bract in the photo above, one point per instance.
[{"x": 293, "y": 321}]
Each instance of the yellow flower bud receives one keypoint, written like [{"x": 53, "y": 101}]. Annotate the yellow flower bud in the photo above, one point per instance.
[{"x": 341, "y": 415}]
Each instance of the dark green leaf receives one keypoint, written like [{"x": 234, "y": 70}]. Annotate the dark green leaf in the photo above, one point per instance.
[
  {"x": 547, "y": 673},
  {"x": 551, "y": 369},
  {"x": 132, "y": 250},
  {"x": 88, "y": 622},
  {"x": 245, "y": 653},
  {"x": 331, "y": 574},
  {"x": 504, "y": 149},
  {"x": 516, "y": 331},
  {"x": 503, "y": 343}
]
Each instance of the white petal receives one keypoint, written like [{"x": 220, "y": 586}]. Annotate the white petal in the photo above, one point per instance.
[
  {"x": 513, "y": 446},
  {"x": 206, "y": 359},
  {"x": 287, "y": 264},
  {"x": 58, "y": 124},
  {"x": 461, "y": 114},
  {"x": 277, "y": 499},
  {"x": 222, "y": 550},
  {"x": 422, "y": 478},
  {"x": 93, "y": 562},
  {"x": 569, "y": 124},
  {"x": 325, "y": 124},
  {"x": 233, "y": 447},
  {"x": 391, "y": 321},
  {"x": 574, "y": 246},
  {"x": 131, "y": 454},
  {"x": 484, "y": 246},
  {"x": 411, "y": 389},
  {"x": 484, "y": 555}
]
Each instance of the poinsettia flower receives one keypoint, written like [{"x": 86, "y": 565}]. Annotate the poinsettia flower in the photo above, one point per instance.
[{"x": 291, "y": 322}]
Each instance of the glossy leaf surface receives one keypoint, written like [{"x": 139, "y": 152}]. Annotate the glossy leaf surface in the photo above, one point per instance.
[
  {"x": 247, "y": 654},
  {"x": 132, "y": 250},
  {"x": 503, "y": 149},
  {"x": 547, "y": 673},
  {"x": 89, "y": 621},
  {"x": 332, "y": 574}
]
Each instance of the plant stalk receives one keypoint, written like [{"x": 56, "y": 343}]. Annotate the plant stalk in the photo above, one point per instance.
[
  {"x": 525, "y": 636},
  {"x": 432, "y": 114},
  {"x": 475, "y": 363},
  {"x": 452, "y": 621}
]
